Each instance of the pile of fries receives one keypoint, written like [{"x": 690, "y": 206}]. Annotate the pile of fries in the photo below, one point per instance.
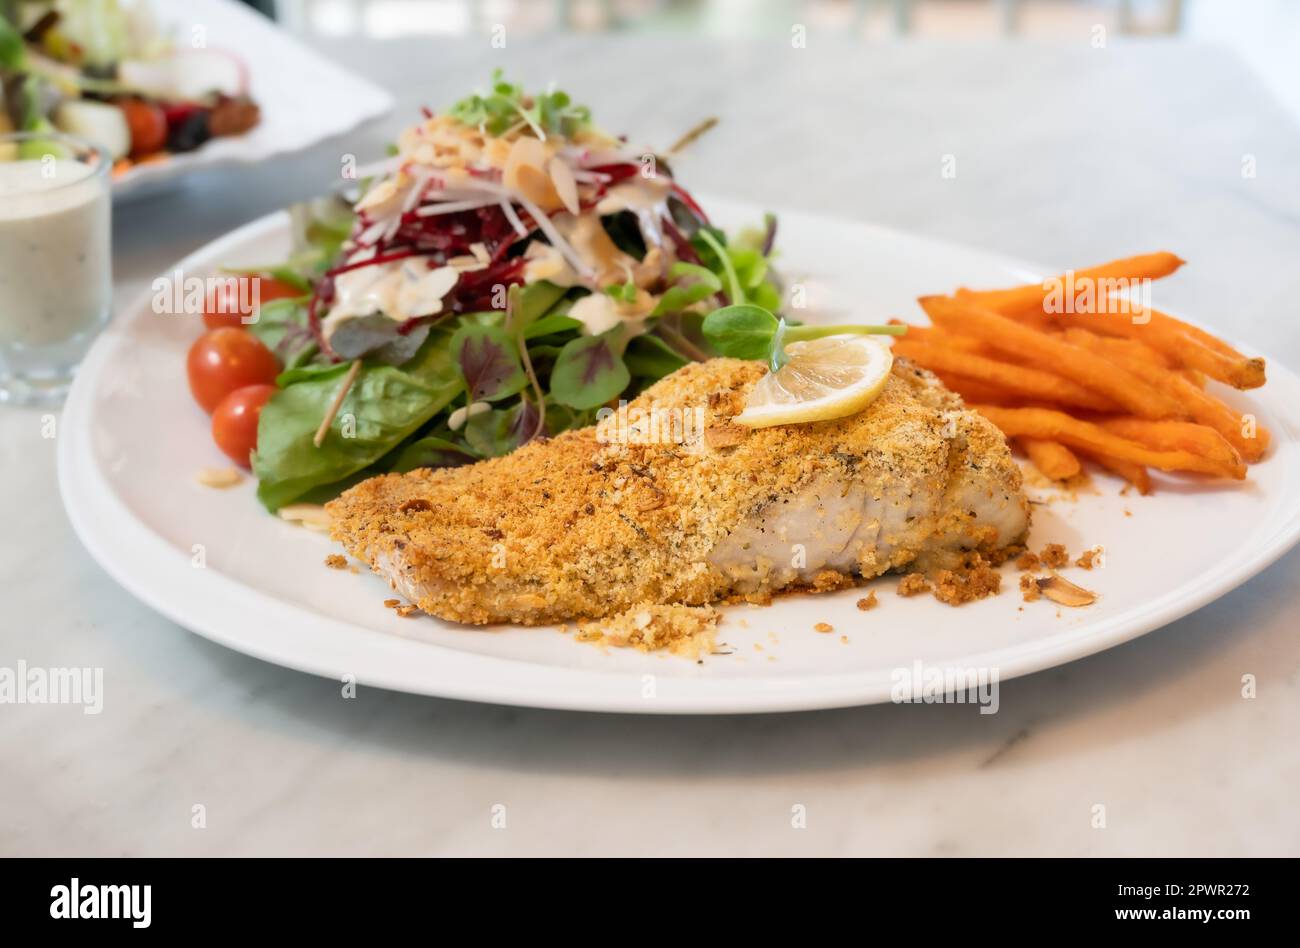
[{"x": 1103, "y": 377}]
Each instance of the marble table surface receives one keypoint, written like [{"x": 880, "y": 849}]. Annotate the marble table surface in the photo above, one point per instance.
[{"x": 1067, "y": 155}]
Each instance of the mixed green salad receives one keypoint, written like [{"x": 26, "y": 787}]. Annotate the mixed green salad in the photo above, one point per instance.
[
  {"x": 104, "y": 70},
  {"x": 507, "y": 271}
]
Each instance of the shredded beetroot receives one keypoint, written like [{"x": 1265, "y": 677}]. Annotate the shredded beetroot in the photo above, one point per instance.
[
  {"x": 475, "y": 290},
  {"x": 616, "y": 172},
  {"x": 374, "y": 261},
  {"x": 452, "y": 235},
  {"x": 441, "y": 237},
  {"x": 683, "y": 246},
  {"x": 689, "y": 201}
]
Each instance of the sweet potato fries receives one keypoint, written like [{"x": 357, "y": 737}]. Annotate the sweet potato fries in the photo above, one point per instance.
[{"x": 1081, "y": 366}]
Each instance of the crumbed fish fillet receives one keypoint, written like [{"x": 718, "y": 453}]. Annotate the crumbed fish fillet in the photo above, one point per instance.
[{"x": 597, "y": 521}]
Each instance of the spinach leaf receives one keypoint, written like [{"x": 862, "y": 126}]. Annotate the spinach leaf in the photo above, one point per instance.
[
  {"x": 431, "y": 451},
  {"x": 281, "y": 325},
  {"x": 378, "y": 337},
  {"x": 313, "y": 370},
  {"x": 384, "y": 406}
]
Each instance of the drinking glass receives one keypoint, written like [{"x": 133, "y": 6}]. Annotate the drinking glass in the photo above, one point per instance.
[{"x": 55, "y": 261}]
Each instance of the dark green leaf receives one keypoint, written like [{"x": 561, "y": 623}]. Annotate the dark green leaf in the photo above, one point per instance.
[
  {"x": 498, "y": 432},
  {"x": 651, "y": 357},
  {"x": 563, "y": 418},
  {"x": 588, "y": 372},
  {"x": 489, "y": 362},
  {"x": 431, "y": 451},
  {"x": 314, "y": 370},
  {"x": 384, "y": 406},
  {"x": 282, "y": 327},
  {"x": 378, "y": 337}
]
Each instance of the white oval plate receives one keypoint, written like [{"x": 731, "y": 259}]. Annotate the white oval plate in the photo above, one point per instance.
[{"x": 214, "y": 561}]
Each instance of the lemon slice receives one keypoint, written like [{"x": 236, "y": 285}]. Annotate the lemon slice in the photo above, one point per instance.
[{"x": 824, "y": 378}]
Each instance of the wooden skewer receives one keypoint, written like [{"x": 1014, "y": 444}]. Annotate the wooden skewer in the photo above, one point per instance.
[{"x": 328, "y": 420}]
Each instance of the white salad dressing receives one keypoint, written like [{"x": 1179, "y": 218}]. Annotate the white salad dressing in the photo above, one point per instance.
[
  {"x": 647, "y": 198},
  {"x": 55, "y": 269},
  {"x": 399, "y": 289},
  {"x": 600, "y": 312}
]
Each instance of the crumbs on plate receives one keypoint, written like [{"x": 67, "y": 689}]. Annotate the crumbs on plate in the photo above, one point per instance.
[
  {"x": 1029, "y": 588},
  {"x": 1054, "y": 555},
  {"x": 913, "y": 584},
  {"x": 401, "y": 609},
  {"x": 649, "y": 627}
]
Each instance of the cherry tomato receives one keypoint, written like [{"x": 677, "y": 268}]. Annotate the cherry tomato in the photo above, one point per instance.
[
  {"x": 223, "y": 360},
  {"x": 234, "y": 423},
  {"x": 148, "y": 125},
  {"x": 232, "y": 299}
]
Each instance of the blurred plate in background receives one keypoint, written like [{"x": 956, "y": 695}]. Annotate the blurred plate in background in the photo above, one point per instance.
[{"x": 304, "y": 97}]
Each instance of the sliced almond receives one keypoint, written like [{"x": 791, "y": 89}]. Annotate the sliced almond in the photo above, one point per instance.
[
  {"x": 311, "y": 516},
  {"x": 1063, "y": 592},
  {"x": 535, "y": 184},
  {"x": 219, "y": 477},
  {"x": 381, "y": 193},
  {"x": 455, "y": 177},
  {"x": 524, "y": 173},
  {"x": 497, "y": 152},
  {"x": 565, "y": 186}
]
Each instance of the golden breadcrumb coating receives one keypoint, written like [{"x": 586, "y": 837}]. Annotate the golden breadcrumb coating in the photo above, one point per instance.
[{"x": 578, "y": 527}]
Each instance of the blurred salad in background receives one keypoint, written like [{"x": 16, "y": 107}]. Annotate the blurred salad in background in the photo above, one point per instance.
[
  {"x": 507, "y": 271},
  {"x": 102, "y": 70}
]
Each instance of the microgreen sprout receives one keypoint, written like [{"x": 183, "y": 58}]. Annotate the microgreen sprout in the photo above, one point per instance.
[{"x": 507, "y": 105}]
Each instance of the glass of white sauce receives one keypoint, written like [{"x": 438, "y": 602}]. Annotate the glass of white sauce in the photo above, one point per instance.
[{"x": 56, "y": 282}]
